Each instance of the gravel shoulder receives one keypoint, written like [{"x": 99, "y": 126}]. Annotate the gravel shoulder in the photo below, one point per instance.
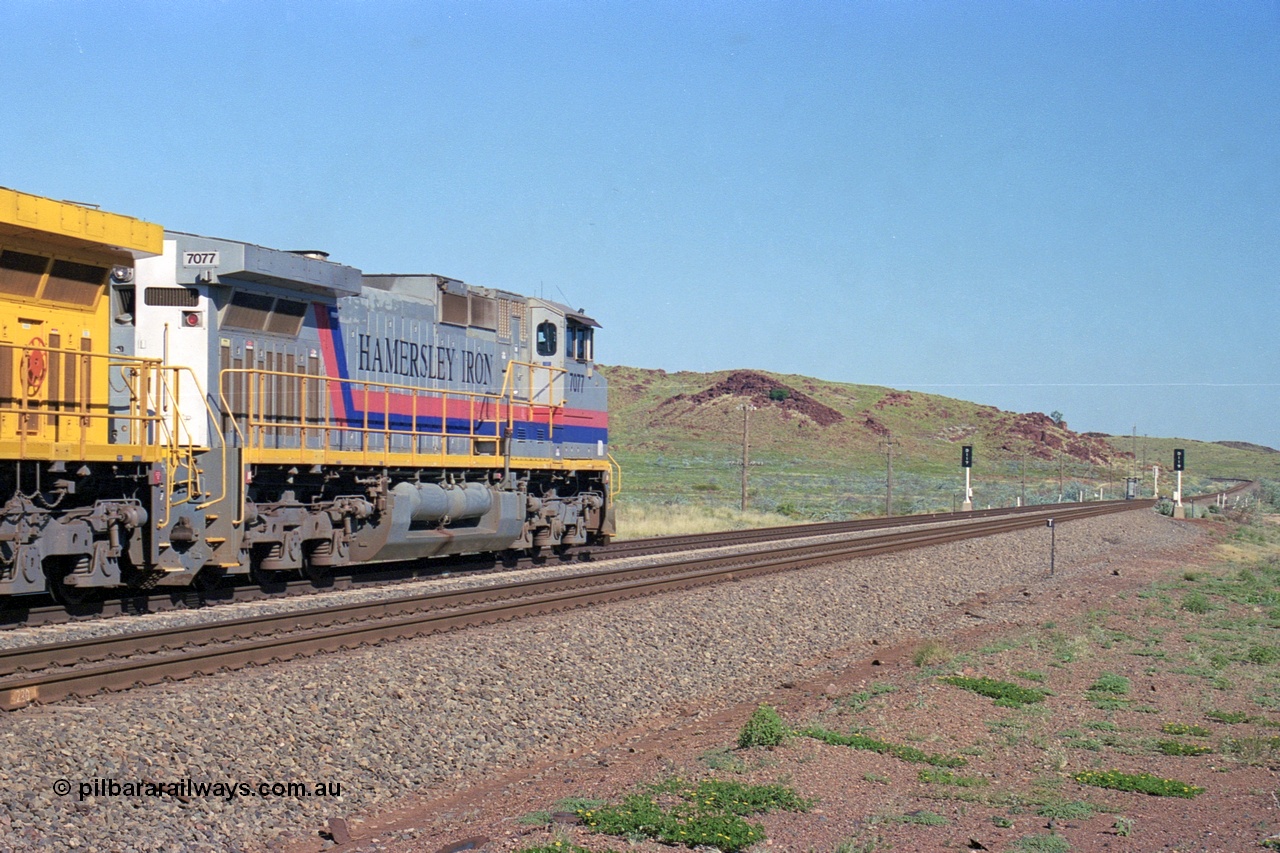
[{"x": 401, "y": 726}]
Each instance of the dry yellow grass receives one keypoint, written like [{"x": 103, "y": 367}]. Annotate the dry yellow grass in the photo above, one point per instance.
[{"x": 642, "y": 521}]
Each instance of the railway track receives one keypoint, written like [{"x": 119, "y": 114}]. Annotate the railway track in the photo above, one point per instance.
[
  {"x": 39, "y": 611},
  {"x": 80, "y": 668}
]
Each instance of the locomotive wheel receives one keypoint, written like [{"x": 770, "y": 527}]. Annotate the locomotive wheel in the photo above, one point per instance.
[
  {"x": 208, "y": 580},
  {"x": 56, "y": 573},
  {"x": 319, "y": 575},
  {"x": 268, "y": 579}
]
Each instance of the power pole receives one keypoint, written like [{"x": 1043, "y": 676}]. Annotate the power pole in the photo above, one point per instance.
[
  {"x": 745, "y": 445},
  {"x": 1143, "y": 467},
  {"x": 1134, "y": 451},
  {"x": 1022, "y": 470},
  {"x": 888, "y": 496}
]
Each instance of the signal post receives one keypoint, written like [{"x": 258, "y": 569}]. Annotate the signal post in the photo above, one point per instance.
[
  {"x": 1179, "y": 461},
  {"x": 966, "y": 461}
]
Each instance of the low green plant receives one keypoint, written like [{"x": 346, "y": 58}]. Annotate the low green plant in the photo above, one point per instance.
[
  {"x": 538, "y": 818},
  {"x": 1111, "y": 684},
  {"x": 1001, "y": 821},
  {"x": 555, "y": 847},
  {"x": 1262, "y": 655},
  {"x": 577, "y": 804},
  {"x": 862, "y": 844},
  {"x": 1177, "y": 747},
  {"x": 920, "y": 818},
  {"x": 1003, "y": 644},
  {"x": 1030, "y": 675},
  {"x": 1195, "y": 602},
  {"x": 877, "y": 778},
  {"x": 1252, "y": 749},
  {"x": 723, "y": 759},
  {"x": 1123, "y": 827},
  {"x": 1066, "y": 809},
  {"x": 1142, "y": 783},
  {"x": 946, "y": 777},
  {"x": 860, "y": 741},
  {"x": 1005, "y": 694},
  {"x": 1229, "y": 717},
  {"x": 858, "y": 702},
  {"x": 764, "y": 728},
  {"x": 711, "y": 813},
  {"x": 1051, "y": 843},
  {"x": 1185, "y": 729}
]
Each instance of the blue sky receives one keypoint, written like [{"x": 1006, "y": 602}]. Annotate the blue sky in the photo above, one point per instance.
[{"x": 1042, "y": 206}]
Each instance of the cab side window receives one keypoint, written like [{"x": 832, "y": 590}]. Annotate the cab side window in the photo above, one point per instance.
[
  {"x": 546, "y": 338},
  {"x": 580, "y": 341}
]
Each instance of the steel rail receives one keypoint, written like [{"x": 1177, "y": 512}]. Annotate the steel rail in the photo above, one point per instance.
[
  {"x": 33, "y": 658},
  {"x": 16, "y": 613},
  {"x": 470, "y": 608}
]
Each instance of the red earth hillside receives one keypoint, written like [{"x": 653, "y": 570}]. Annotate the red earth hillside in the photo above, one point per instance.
[{"x": 764, "y": 392}]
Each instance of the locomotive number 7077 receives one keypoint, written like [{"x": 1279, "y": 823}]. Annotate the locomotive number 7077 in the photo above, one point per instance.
[{"x": 199, "y": 259}]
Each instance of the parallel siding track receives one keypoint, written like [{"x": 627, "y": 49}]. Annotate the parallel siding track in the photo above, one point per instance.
[
  {"x": 35, "y": 611},
  {"x": 55, "y": 672}
]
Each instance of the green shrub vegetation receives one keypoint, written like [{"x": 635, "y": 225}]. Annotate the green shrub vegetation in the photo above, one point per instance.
[
  {"x": 1177, "y": 747},
  {"x": 1185, "y": 729},
  {"x": 711, "y": 813},
  {"x": 764, "y": 728},
  {"x": 1142, "y": 783},
  {"x": 1066, "y": 810},
  {"x": 1263, "y": 655},
  {"x": 946, "y": 777},
  {"x": 1195, "y": 602},
  {"x": 1005, "y": 694},
  {"x": 906, "y": 753},
  {"x": 1110, "y": 683},
  {"x": 1229, "y": 717},
  {"x": 1051, "y": 843}
]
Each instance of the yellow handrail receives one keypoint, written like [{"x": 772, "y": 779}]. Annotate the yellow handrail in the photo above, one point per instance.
[
  {"x": 181, "y": 446},
  {"x": 29, "y": 398},
  {"x": 615, "y": 477}
]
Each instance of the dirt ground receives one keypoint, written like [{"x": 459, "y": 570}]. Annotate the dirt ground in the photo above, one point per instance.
[{"x": 1184, "y": 649}]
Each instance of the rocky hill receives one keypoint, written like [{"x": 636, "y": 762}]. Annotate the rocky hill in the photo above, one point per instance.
[{"x": 816, "y": 442}]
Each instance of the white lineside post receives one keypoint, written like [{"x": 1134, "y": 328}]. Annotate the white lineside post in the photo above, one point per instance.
[
  {"x": 1053, "y": 545},
  {"x": 1155, "y": 482},
  {"x": 1178, "y": 511},
  {"x": 968, "y": 493}
]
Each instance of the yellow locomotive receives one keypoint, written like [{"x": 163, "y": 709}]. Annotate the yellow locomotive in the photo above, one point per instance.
[{"x": 77, "y": 438}]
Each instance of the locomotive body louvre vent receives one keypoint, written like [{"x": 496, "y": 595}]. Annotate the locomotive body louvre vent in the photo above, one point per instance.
[{"x": 171, "y": 297}]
